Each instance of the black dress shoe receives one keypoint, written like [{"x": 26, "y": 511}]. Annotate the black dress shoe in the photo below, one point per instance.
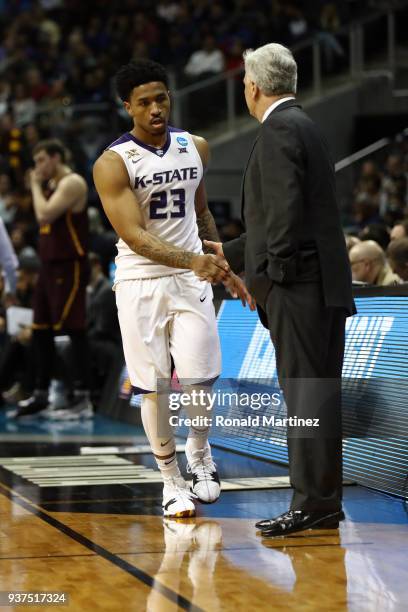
[
  {"x": 298, "y": 520},
  {"x": 32, "y": 405}
]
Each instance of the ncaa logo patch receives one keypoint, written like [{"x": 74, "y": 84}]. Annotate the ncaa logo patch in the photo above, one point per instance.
[{"x": 183, "y": 142}]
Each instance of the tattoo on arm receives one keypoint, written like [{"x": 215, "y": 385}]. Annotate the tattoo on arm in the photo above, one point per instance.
[
  {"x": 160, "y": 251},
  {"x": 207, "y": 230}
]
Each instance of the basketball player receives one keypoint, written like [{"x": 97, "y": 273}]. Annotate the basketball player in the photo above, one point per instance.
[
  {"x": 150, "y": 182},
  {"x": 60, "y": 201}
]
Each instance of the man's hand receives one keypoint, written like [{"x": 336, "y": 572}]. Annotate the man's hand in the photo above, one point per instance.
[
  {"x": 211, "y": 268},
  {"x": 215, "y": 246},
  {"x": 237, "y": 288},
  {"x": 34, "y": 177}
]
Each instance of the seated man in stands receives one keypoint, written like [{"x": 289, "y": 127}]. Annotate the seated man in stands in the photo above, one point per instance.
[
  {"x": 397, "y": 254},
  {"x": 369, "y": 265},
  {"x": 16, "y": 356},
  {"x": 102, "y": 328},
  {"x": 207, "y": 61},
  {"x": 103, "y": 335},
  {"x": 400, "y": 230}
]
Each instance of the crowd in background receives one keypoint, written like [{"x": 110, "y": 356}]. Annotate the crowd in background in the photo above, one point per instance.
[
  {"x": 53, "y": 50},
  {"x": 58, "y": 56},
  {"x": 54, "y": 54},
  {"x": 378, "y": 238}
]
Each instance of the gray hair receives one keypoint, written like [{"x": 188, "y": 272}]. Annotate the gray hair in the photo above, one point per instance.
[{"x": 273, "y": 68}]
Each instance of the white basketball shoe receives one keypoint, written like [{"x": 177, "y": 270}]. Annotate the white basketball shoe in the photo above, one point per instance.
[
  {"x": 177, "y": 498},
  {"x": 206, "y": 483}
]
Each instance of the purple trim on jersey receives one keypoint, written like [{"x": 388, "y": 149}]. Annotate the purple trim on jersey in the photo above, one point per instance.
[
  {"x": 128, "y": 136},
  {"x": 148, "y": 147},
  {"x": 140, "y": 391},
  {"x": 121, "y": 140},
  {"x": 173, "y": 129}
]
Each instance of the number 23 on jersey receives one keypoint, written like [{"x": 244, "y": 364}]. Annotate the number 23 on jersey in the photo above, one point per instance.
[{"x": 159, "y": 204}]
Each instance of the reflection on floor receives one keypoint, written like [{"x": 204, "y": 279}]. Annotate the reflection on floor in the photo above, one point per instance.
[{"x": 107, "y": 546}]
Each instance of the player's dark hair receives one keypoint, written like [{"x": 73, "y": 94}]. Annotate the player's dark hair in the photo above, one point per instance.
[
  {"x": 138, "y": 72},
  {"x": 52, "y": 146}
]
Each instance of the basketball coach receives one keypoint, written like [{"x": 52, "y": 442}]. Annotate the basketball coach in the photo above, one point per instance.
[{"x": 296, "y": 267}]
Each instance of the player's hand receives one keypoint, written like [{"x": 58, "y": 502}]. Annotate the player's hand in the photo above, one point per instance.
[
  {"x": 34, "y": 177},
  {"x": 237, "y": 288},
  {"x": 211, "y": 268},
  {"x": 215, "y": 246}
]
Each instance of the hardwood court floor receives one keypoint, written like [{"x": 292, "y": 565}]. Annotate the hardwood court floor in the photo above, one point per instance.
[{"x": 108, "y": 547}]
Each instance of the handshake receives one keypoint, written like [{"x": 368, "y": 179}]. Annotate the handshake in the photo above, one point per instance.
[{"x": 215, "y": 269}]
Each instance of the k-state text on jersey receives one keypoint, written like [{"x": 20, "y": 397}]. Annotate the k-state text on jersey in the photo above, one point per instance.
[{"x": 167, "y": 176}]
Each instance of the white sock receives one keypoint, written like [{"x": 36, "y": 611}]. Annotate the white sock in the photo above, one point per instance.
[
  {"x": 160, "y": 435},
  {"x": 198, "y": 434}
]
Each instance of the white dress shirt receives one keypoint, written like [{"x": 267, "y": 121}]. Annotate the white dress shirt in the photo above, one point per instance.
[{"x": 274, "y": 105}]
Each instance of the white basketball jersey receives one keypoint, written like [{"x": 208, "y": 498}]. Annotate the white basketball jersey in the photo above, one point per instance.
[{"x": 164, "y": 182}]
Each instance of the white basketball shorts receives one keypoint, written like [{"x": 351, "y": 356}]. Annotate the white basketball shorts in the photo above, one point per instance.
[{"x": 168, "y": 316}]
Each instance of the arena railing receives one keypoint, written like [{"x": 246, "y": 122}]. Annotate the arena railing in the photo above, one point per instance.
[
  {"x": 369, "y": 43},
  {"x": 216, "y": 105},
  {"x": 348, "y": 169}
]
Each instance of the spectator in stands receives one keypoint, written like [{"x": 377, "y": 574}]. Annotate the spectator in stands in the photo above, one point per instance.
[
  {"x": 140, "y": 50},
  {"x": 102, "y": 241},
  {"x": 12, "y": 146},
  {"x": 397, "y": 254},
  {"x": 370, "y": 169},
  {"x": 103, "y": 328},
  {"x": 103, "y": 331},
  {"x": 178, "y": 50},
  {"x": 207, "y": 61},
  {"x": 102, "y": 319},
  {"x": 394, "y": 184},
  {"x": 5, "y": 94},
  {"x": 351, "y": 241},
  {"x": 8, "y": 263},
  {"x": 297, "y": 23},
  {"x": 218, "y": 22},
  {"x": 371, "y": 186},
  {"x": 234, "y": 56},
  {"x": 365, "y": 211},
  {"x": 400, "y": 230},
  {"x": 17, "y": 360},
  {"x": 27, "y": 277},
  {"x": 168, "y": 10},
  {"x": 378, "y": 232},
  {"x": 329, "y": 26},
  {"x": 37, "y": 88},
  {"x": 146, "y": 29},
  {"x": 369, "y": 265},
  {"x": 21, "y": 204},
  {"x": 20, "y": 242},
  {"x": 5, "y": 190},
  {"x": 23, "y": 105}
]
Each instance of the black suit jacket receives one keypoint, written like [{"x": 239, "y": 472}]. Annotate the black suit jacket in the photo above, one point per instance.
[{"x": 289, "y": 210}]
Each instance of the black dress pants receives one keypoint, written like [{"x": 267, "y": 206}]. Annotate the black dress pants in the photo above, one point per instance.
[{"x": 309, "y": 344}]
